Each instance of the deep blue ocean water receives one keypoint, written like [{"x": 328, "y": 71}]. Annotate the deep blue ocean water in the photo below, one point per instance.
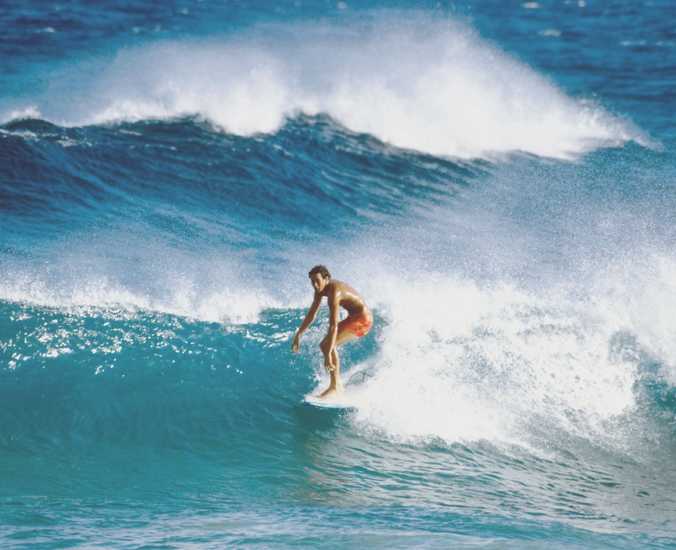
[{"x": 498, "y": 180}]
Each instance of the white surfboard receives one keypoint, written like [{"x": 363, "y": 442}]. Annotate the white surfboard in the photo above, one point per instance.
[
  {"x": 338, "y": 402},
  {"x": 331, "y": 403}
]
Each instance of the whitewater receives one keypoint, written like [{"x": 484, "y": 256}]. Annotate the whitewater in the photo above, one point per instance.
[{"x": 496, "y": 181}]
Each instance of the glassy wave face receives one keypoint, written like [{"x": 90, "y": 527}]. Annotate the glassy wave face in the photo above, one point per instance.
[{"x": 498, "y": 182}]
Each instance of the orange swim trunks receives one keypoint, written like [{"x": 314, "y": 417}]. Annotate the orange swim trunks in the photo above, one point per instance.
[{"x": 359, "y": 324}]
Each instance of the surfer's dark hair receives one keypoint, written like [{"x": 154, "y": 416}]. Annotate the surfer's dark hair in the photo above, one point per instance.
[{"x": 321, "y": 269}]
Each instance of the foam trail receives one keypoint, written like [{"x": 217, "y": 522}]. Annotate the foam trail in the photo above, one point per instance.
[{"x": 433, "y": 86}]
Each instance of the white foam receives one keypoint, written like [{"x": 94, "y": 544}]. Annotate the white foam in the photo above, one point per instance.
[
  {"x": 224, "y": 303},
  {"x": 641, "y": 297},
  {"x": 465, "y": 363},
  {"x": 23, "y": 113},
  {"x": 550, "y": 32},
  {"x": 430, "y": 85}
]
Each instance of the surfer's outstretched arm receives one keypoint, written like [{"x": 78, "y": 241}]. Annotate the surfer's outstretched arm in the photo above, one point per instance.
[{"x": 311, "y": 314}]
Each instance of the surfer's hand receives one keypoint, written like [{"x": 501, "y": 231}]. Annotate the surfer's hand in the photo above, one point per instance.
[{"x": 296, "y": 343}]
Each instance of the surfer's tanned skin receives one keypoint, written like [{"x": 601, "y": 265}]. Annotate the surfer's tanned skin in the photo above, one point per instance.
[{"x": 356, "y": 325}]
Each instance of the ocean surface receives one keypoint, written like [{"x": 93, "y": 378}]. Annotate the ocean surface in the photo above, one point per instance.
[{"x": 497, "y": 179}]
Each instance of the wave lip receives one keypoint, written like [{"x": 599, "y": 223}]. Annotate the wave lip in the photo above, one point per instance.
[{"x": 432, "y": 86}]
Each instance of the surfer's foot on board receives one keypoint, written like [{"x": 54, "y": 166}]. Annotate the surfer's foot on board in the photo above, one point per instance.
[{"x": 331, "y": 391}]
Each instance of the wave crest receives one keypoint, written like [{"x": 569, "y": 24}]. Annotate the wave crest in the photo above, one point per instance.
[{"x": 433, "y": 86}]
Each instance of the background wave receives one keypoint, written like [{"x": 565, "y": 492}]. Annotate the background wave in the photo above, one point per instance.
[{"x": 409, "y": 80}]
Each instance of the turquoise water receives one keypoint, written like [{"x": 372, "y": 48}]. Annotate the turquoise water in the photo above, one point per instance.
[{"x": 496, "y": 181}]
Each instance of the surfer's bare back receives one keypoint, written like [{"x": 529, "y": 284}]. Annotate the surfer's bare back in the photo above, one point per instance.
[{"x": 357, "y": 324}]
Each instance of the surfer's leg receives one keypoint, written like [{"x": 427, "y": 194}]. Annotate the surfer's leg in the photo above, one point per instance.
[
  {"x": 332, "y": 366},
  {"x": 335, "y": 361},
  {"x": 332, "y": 360},
  {"x": 324, "y": 346},
  {"x": 345, "y": 334},
  {"x": 329, "y": 358}
]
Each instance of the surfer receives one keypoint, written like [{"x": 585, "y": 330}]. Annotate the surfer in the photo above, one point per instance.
[{"x": 357, "y": 323}]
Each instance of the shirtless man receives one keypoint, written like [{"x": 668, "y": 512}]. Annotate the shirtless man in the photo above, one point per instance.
[{"x": 356, "y": 325}]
